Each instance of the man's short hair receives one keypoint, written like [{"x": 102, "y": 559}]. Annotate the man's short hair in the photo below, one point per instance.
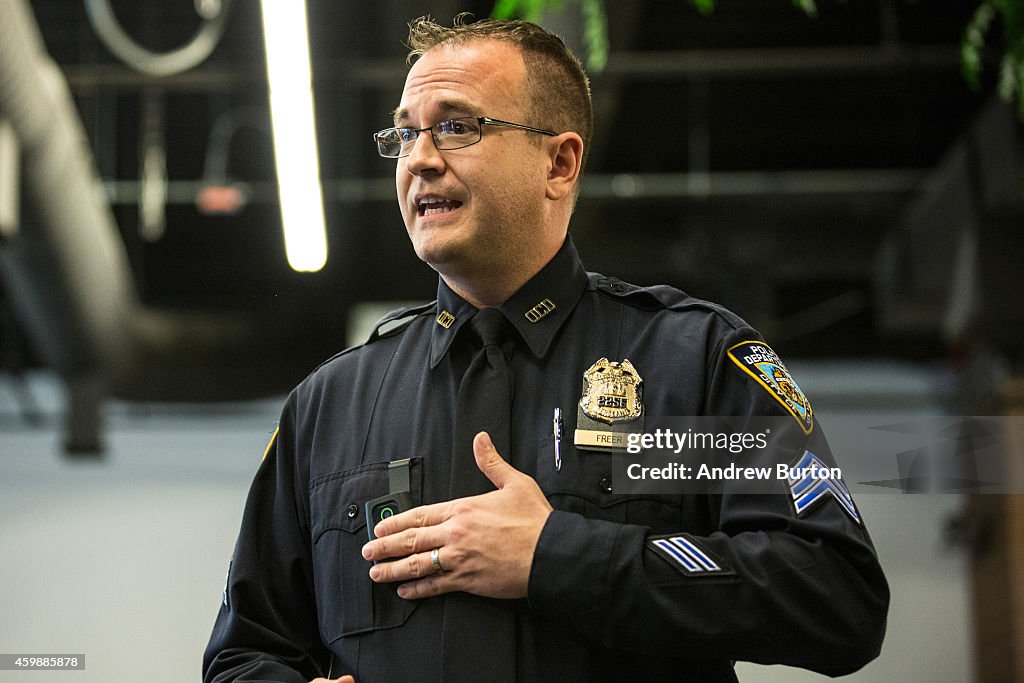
[{"x": 558, "y": 86}]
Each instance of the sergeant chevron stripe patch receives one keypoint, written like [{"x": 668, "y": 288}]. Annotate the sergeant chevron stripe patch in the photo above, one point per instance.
[
  {"x": 811, "y": 482},
  {"x": 686, "y": 555}
]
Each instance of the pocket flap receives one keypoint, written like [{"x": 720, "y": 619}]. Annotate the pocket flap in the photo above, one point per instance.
[{"x": 336, "y": 500}]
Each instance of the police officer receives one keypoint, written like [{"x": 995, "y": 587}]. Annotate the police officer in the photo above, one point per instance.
[{"x": 549, "y": 572}]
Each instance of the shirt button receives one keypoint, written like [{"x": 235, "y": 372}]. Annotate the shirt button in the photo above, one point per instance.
[
  {"x": 606, "y": 485},
  {"x": 353, "y": 510}
]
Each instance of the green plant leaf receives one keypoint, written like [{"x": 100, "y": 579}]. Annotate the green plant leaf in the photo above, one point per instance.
[
  {"x": 705, "y": 7},
  {"x": 504, "y": 9},
  {"x": 595, "y": 34},
  {"x": 973, "y": 42},
  {"x": 810, "y": 7}
]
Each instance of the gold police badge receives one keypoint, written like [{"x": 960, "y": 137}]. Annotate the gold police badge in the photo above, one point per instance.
[{"x": 612, "y": 392}]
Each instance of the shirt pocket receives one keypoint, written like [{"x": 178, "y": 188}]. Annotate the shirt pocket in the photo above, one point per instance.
[
  {"x": 348, "y": 602},
  {"x": 584, "y": 485}
]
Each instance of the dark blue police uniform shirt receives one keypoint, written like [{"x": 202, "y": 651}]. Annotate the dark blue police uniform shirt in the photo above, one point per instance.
[{"x": 606, "y": 600}]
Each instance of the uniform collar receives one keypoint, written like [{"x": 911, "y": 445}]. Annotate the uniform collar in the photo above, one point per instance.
[{"x": 537, "y": 310}]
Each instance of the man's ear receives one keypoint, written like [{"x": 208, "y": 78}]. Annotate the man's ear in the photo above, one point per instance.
[{"x": 565, "y": 154}]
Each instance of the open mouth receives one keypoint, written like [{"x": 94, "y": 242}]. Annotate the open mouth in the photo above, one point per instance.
[{"x": 428, "y": 206}]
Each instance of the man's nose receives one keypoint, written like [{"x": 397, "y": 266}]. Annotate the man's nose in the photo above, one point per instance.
[{"x": 424, "y": 157}]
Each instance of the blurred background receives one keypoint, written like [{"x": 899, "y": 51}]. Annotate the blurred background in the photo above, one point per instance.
[{"x": 830, "y": 175}]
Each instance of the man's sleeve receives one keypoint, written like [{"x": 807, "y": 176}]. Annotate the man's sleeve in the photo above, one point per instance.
[
  {"x": 783, "y": 578},
  {"x": 266, "y": 629}
]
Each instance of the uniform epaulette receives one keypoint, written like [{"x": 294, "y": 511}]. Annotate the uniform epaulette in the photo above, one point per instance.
[
  {"x": 656, "y": 297},
  {"x": 391, "y": 324},
  {"x": 395, "y": 321}
]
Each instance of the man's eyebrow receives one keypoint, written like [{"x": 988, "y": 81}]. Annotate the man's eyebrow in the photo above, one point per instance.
[{"x": 447, "y": 108}]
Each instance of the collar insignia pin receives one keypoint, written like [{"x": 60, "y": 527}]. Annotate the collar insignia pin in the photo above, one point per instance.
[
  {"x": 544, "y": 307},
  {"x": 445, "y": 319}
]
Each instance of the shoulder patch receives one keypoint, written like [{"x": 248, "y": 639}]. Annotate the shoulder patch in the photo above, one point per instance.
[
  {"x": 273, "y": 438},
  {"x": 227, "y": 580},
  {"x": 688, "y": 556},
  {"x": 766, "y": 368},
  {"x": 812, "y": 483}
]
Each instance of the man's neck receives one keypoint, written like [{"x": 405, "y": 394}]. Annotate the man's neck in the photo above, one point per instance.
[
  {"x": 492, "y": 286},
  {"x": 485, "y": 292}
]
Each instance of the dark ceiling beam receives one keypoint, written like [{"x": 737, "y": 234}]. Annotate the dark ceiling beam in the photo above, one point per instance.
[
  {"x": 776, "y": 62},
  {"x": 769, "y": 184},
  {"x": 657, "y": 66},
  {"x": 625, "y": 186}
]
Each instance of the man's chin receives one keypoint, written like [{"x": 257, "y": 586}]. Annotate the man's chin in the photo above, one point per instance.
[{"x": 439, "y": 256}]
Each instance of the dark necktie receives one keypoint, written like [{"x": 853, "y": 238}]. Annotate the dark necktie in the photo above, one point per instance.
[
  {"x": 478, "y": 643},
  {"x": 484, "y": 403}
]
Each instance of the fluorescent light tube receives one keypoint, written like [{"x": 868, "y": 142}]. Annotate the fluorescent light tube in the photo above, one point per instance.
[{"x": 295, "y": 155}]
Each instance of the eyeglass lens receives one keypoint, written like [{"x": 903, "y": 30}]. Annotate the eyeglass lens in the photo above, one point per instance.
[{"x": 448, "y": 134}]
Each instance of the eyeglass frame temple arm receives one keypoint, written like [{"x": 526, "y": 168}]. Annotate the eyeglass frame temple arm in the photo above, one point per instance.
[{"x": 509, "y": 124}]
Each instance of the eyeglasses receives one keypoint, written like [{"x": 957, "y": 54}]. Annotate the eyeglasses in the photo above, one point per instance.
[{"x": 395, "y": 143}]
